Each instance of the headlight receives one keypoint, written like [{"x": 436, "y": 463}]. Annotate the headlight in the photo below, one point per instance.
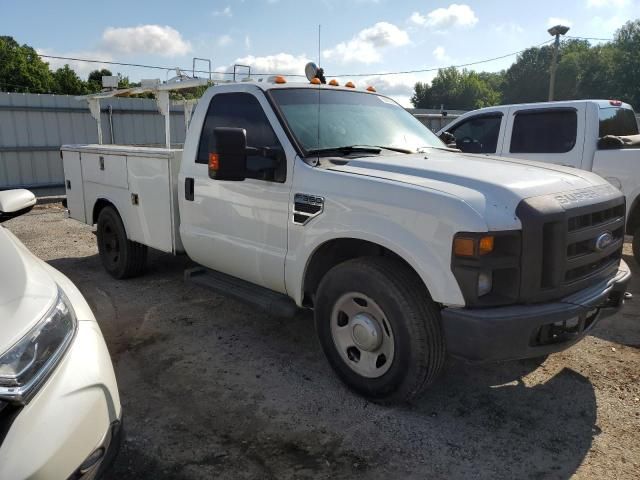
[
  {"x": 29, "y": 362},
  {"x": 487, "y": 267}
]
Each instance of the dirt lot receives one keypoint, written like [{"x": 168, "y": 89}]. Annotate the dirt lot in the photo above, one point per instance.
[{"x": 213, "y": 388}]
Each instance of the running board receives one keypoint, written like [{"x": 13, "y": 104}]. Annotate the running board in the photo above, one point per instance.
[{"x": 276, "y": 304}]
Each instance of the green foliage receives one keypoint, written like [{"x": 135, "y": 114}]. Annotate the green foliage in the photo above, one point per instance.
[
  {"x": 66, "y": 80},
  {"x": 21, "y": 69},
  {"x": 609, "y": 70},
  {"x": 457, "y": 89}
]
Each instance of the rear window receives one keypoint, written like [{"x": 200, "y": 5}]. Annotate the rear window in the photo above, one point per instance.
[
  {"x": 617, "y": 121},
  {"x": 544, "y": 131}
]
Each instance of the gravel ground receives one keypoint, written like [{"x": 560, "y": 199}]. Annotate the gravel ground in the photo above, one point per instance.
[{"x": 214, "y": 388}]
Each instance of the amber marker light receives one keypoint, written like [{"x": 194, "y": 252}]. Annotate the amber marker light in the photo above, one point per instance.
[
  {"x": 214, "y": 161},
  {"x": 464, "y": 247},
  {"x": 280, "y": 79},
  {"x": 486, "y": 245},
  {"x": 334, "y": 83},
  {"x": 370, "y": 88},
  {"x": 350, "y": 85}
]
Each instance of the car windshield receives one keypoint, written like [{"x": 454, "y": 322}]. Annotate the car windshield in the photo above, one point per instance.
[{"x": 324, "y": 120}]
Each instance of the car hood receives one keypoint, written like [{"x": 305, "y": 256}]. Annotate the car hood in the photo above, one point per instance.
[
  {"x": 492, "y": 186},
  {"x": 27, "y": 291}
]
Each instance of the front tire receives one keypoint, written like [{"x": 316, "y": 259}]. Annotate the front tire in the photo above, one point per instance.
[
  {"x": 379, "y": 328},
  {"x": 121, "y": 257}
]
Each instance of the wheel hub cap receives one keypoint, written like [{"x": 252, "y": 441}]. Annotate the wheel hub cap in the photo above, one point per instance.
[{"x": 366, "y": 332}]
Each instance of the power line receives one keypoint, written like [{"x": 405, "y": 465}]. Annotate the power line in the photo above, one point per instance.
[
  {"x": 590, "y": 38},
  {"x": 404, "y": 72},
  {"x": 433, "y": 69}
]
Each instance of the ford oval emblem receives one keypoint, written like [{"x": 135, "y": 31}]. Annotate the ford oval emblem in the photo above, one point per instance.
[{"x": 603, "y": 241}]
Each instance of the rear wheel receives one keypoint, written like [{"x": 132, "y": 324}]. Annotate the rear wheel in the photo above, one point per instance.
[
  {"x": 379, "y": 328},
  {"x": 121, "y": 257}
]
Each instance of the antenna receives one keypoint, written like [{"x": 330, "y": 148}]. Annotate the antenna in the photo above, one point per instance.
[{"x": 319, "y": 37}]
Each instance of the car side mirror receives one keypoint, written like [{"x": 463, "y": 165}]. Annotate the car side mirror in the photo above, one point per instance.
[
  {"x": 14, "y": 203},
  {"x": 448, "y": 139},
  {"x": 229, "y": 162}
]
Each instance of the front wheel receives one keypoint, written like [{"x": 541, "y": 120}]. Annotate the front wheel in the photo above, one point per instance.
[
  {"x": 379, "y": 328},
  {"x": 121, "y": 257}
]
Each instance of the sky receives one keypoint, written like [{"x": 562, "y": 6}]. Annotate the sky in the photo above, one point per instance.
[{"x": 366, "y": 37}]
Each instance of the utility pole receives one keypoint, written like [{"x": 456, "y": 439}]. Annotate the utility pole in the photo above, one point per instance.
[{"x": 555, "y": 32}]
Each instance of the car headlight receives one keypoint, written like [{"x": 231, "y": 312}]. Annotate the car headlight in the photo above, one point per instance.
[{"x": 29, "y": 362}]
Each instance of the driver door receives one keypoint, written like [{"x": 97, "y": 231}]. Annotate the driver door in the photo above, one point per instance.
[{"x": 240, "y": 227}]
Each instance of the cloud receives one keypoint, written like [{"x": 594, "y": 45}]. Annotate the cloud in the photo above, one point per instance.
[
  {"x": 553, "y": 21},
  {"x": 508, "y": 28},
  {"x": 225, "y": 12},
  {"x": 154, "y": 39},
  {"x": 81, "y": 68},
  {"x": 247, "y": 42},
  {"x": 366, "y": 45},
  {"x": 607, "y": 3},
  {"x": 397, "y": 86},
  {"x": 440, "y": 54},
  {"x": 224, "y": 40},
  {"x": 280, "y": 63},
  {"x": 454, "y": 15}
]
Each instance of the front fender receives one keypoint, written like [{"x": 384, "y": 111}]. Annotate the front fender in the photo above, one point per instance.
[{"x": 421, "y": 238}]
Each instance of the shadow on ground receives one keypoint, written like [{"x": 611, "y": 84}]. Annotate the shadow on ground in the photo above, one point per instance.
[{"x": 214, "y": 388}]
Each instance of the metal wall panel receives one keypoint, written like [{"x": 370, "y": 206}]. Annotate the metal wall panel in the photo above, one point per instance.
[{"x": 33, "y": 127}]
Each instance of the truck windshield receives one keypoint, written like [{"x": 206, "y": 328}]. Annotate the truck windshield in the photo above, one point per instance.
[
  {"x": 346, "y": 122},
  {"x": 617, "y": 121}
]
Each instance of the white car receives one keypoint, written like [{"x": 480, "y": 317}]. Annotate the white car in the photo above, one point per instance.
[{"x": 60, "y": 413}]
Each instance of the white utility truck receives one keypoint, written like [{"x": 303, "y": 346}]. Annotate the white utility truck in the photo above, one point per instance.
[
  {"x": 307, "y": 195},
  {"x": 595, "y": 135}
]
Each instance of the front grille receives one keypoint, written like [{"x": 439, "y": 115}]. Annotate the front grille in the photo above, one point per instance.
[
  {"x": 584, "y": 258},
  {"x": 569, "y": 245}
]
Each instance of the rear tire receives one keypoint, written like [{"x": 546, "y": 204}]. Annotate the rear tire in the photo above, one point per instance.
[
  {"x": 379, "y": 328},
  {"x": 636, "y": 245},
  {"x": 121, "y": 257}
]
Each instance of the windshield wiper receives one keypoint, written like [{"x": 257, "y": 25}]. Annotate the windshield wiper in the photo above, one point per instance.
[
  {"x": 347, "y": 149},
  {"x": 358, "y": 149}
]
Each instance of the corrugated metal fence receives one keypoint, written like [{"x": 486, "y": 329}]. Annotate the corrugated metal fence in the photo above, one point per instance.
[{"x": 33, "y": 127}]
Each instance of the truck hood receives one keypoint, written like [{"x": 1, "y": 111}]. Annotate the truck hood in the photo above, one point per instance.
[
  {"x": 493, "y": 186},
  {"x": 27, "y": 291}
]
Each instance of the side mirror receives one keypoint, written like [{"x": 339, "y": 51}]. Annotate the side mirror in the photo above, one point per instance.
[
  {"x": 230, "y": 160},
  {"x": 448, "y": 139},
  {"x": 14, "y": 203}
]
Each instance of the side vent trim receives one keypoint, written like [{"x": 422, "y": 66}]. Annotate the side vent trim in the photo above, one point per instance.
[{"x": 306, "y": 207}]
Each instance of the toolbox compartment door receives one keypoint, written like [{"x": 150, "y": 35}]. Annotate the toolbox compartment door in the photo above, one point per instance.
[{"x": 73, "y": 185}]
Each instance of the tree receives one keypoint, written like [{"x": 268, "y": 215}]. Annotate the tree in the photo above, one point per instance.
[
  {"x": 94, "y": 82},
  {"x": 458, "y": 90},
  {"x": 626, "y": 63},
  {"x": 67, "y": 82},
  {"x": 21, "y": 69}
]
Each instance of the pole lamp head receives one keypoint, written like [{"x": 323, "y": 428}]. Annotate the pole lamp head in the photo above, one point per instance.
[{"x": 558, "y": 30}]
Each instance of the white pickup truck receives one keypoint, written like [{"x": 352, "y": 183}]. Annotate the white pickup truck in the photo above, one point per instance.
[
  {"x": 297, "y": 195},
  {"x": 596, "y": 135}
]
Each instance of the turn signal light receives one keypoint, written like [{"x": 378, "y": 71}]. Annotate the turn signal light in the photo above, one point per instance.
[
  {"x": 214, "y": 161},
  {"x": 334, "y": 83},
  {"x": 280, "y": 79},
  {"x": 486, "y": 245},
  {"x": 464, "y": 247},
  {"x": 349, "y": 85},
  {"x": 315, "y": 81}
]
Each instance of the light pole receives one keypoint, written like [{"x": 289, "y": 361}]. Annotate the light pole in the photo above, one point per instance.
[{"x": 555, "y": 32}]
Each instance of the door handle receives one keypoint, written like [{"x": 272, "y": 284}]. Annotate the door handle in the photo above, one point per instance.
[{"x": 189, "y": 188}]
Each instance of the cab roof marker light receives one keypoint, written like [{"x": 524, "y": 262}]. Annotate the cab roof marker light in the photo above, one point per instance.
[
  {"x": 371, "y": 88},
  {"x": 334, "y": 83},
  {"x": 279, "y": 79},
  {"x": 350, "y": 85},
  {"x": 315, "y": 81},
  {"x": 615, "y": 103}
]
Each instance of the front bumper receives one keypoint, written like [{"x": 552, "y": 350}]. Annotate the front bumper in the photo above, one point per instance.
[
  {"x": 69, "y": 418},
  {"x": 526, "y": 331}
]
